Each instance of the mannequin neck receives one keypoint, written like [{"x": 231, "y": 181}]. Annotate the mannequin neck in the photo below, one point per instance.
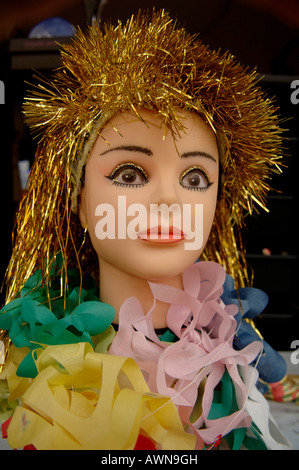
[{"x": 116, "y": 286}]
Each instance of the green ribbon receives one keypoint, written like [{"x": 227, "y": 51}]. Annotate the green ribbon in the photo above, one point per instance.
[
  {"x": 224, "y": 404},
  {"x": 72, "y": 318}
]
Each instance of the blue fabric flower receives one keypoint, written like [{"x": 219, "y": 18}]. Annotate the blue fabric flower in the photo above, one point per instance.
[{"x": 271, "y": 365}]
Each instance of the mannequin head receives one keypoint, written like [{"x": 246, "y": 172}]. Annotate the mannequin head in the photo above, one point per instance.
[
  {"x": 108, "y": 75},
  {"x": 148, "y": 164}
]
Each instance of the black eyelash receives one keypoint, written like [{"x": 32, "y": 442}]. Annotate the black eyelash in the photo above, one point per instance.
[
  {"x": 124, "y": 185},
  {"x": 193, "y": 188}
]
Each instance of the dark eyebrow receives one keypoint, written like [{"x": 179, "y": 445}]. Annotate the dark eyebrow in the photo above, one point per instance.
[
  {"x": 130, "y": 148},
  {"x": 198, "y": 154}
]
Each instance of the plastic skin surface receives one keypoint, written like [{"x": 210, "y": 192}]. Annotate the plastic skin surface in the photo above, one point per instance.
[{"x": 144, "y": 163}]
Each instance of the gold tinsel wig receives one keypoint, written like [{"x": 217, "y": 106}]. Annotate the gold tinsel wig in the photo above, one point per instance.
[{"x": 148, "y": 62}]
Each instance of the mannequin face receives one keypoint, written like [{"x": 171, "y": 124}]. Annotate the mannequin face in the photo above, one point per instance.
[{"x": 133, "y": 162}]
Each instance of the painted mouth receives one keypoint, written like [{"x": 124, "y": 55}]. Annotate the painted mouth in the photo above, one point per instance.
[{"x": 162, "y": 235}]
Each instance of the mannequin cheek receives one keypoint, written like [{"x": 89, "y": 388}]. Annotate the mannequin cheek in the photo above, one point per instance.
[{"x": 203, "y": 214}]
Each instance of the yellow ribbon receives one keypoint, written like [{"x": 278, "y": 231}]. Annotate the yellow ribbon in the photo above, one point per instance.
[{"x": 86, "y": 400}]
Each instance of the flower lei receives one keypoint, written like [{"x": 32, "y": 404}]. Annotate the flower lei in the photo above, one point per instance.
[
  {"x": 183, "y": 390},
  {"x": 71, "y": 318},
  {"x": 203, "y": 352}
]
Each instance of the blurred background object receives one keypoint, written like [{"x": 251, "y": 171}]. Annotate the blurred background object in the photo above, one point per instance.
[{"x": 51, "y": 28}]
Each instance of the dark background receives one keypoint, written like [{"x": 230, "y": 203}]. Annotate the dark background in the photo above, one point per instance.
[{"x": 260, "y": 33}]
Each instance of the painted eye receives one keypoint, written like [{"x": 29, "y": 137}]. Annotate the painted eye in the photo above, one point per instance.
[
  {"x": 195, "y": 178},
  {"x": 128, "y": 174}
]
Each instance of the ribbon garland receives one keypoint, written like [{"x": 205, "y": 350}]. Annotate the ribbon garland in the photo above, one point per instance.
[
  {"x": 72, "y": 319},
  {"x": 205, "y": 329},
  {"x": 271, "y": 365},
  {"x": 86, "y": 400},
  {"x": 193, "y": 367}
]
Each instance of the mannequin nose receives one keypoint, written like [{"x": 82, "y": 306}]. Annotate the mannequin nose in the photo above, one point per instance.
[
  {"x": 167, "y": 193},
  {"x": 167, "y": 203}
]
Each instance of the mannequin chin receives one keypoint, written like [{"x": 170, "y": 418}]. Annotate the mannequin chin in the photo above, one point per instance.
[{"x": 137, "y": 166}]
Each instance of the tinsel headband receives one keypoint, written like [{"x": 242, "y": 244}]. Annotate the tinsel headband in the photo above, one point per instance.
[{"x": 148, "y": 62}]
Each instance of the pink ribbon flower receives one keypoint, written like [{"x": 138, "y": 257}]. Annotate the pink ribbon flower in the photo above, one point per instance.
[{"x": 205, "y": 328}]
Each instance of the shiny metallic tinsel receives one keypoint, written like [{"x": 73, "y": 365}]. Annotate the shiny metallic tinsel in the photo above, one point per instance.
[{"x": 149, "y": 62}]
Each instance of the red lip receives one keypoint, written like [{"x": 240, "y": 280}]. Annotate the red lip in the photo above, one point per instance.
[{"x": 162, "y": 235}]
